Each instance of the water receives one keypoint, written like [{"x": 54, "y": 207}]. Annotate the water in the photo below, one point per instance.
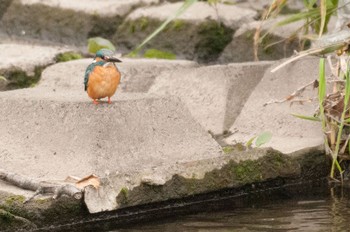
[{"x": 322, "y": 212}]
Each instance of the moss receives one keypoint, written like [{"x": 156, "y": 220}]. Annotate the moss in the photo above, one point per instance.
[
  {"x": 213, "y": 38},
  {"x": 67, "y": 56},
  {"x": 104, "y": 26},
  {"x": 143, "y": 23},
  {"x": 20, "y": 79},
  {"x": 41, "y": 201},
  {"x": 123, "y": 196},
  {"x": 14, "y": 205},
  {"x": 154, "y": 53},
  {"x": 227, "y": 149},
  {"x": 15, "y": 199},
  {"x": 6, "y": 217},
  {"x": 3, "y": 6},
  {"x": 178, "y": 24},
  {"x": 248, "y": 171}
]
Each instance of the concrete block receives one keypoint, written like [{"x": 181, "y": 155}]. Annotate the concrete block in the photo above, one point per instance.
[
  {"x": 289, "y": 133},
  {"x": 51, "y": 136},
  {"x": 230, "y": 15},
  {"x": 214, "y": 94}
]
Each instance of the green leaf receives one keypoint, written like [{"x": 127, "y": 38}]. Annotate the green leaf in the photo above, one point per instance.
[
  {"x": 322, "y": 91},
  {"x": 263, "y": 138},
  {"x": 347, "y": 88},
  {"x": 250, "y": 142},
  {"x": 2, "y": 78},
  {"x": 323, "y": 14},
  {"x": 97, "y": 43},
  {"x": 322, "y": 81},
  {"x": 311, "y": 118},
  {"x": 180, "y": 11}
]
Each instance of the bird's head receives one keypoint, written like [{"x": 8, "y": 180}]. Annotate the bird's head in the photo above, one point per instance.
[{"x": 106, "y": 55}]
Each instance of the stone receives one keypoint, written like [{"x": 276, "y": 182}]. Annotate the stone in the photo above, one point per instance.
[
  {"x": 289, "y": 133},
  {"x": 57, "y": 134},
  {"x": 100, "y": 7},
  {"x": 276, "y": 45},
  {"x": 22, "y": 64},
  {"x": 138, "y": 75},
  {"x": 66, "y": 22},
  {"x": 230, "y": 15},
  {"x": 219, "y": 94},
  {"x": 27, "y": 56}
]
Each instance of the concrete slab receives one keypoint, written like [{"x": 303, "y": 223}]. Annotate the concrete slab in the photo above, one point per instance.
[
  {"x": 54, "y": 135},
  {"x": 232, "y": 16},
  {"x": 137, "y": 74},
  {"x": 101, "y": 7},
  {"x": 214, "y": 94},
  {"x": 66, "y": 22},
  {"x": 241, "y": 47},
  {"x": 289, "y": 133},
  {"x": 26, "y": 57},
  {"x": 21, "y": 64},
  {"x": 261, "y": 5}
]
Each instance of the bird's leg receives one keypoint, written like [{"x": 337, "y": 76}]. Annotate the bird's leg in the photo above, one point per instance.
[
  {"x": 95, "y": 102},
  {"x": 109, "y": 100}
]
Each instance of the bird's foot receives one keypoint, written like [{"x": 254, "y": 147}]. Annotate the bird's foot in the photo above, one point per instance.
[
  {"x": 109, "y": 100},
  {"x": 95, "y": 102}
]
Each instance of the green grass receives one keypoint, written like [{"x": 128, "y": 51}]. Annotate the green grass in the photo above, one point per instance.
[{"x": 157, "y": 54}]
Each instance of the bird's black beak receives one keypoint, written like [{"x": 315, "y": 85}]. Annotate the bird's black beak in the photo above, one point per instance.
[{"x": 112, "y": 59}]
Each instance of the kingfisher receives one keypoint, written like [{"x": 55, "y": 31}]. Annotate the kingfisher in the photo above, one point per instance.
[{"x": 102, "y": 77}]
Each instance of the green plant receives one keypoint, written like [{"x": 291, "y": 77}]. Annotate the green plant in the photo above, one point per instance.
[
  {"x": 181, "y": 10},
  {"x": 157, "y": 54},
  {"x": 316, "y": 16},
  {"x": 97, "y": 43},
  {"x": 260, "y": 139},
  {"x": 67, "y": 56},
  {"x": 334, "y": 115}
]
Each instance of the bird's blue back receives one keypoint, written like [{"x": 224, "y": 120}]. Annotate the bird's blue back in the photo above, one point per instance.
[{"x": 89, "y": 69}]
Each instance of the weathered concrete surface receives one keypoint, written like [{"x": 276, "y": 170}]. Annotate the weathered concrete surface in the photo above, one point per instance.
[
  {"x": 219, "y": 94},
  {"x": 289, "y": 133},
  {"x": 66, "y": 22},
  {"x": 235, "y": 169},
  {"x": 137, "y": 75},
  {"x": 101, "y": 7},
  {"x": 198, "y": 34},
  {"x": 27, "y": 56},
  {"x": 145, "y": 147},
  {"x": 198, "y": 13},
  {"x": 44, "y": 131},
  {"x": 22, "y": 62},
  {"x": 241, "y": 47},
  {"x": 260, "y": 5}
]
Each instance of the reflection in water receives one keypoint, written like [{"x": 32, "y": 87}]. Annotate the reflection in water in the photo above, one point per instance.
[{"x": 318, "y": 213}]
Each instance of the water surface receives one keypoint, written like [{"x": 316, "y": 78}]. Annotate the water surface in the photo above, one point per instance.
[{"x": 322, "y": 212}]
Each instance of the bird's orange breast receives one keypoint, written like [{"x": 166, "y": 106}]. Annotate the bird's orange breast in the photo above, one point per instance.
[{"x": 103, "y": 81}]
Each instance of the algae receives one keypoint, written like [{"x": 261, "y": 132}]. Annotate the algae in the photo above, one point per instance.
[
  {"x": 273, "y": 165},
  {"x": 17, "y": 78},
  {"x": 157, "y": 54},
  {"x": 248, "y": 171},
  {"x": 213, "y": 39},
  {"x": 68, "y": 56},
  {"x": 123, "y": 195},
  {"x": 203, "y": 42}
]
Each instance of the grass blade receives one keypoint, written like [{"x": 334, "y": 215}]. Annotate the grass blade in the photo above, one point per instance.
[
  {"x": 322, "y": 83},
  {"x": 323, "y": 13},
  {"x": 311, "y": 118},
  {"x": 180, "y": 11}
]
